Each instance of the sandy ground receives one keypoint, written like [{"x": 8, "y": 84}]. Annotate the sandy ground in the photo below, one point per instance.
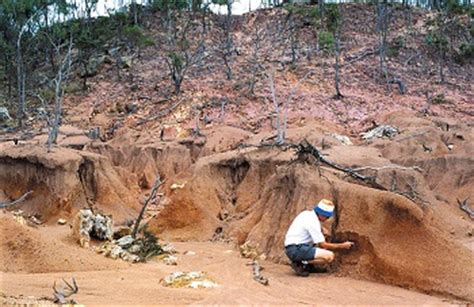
[{"x": 140, "y": 283}]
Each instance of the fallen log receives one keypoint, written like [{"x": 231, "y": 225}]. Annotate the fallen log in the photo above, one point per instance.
[{"x": 368, "y": 52}]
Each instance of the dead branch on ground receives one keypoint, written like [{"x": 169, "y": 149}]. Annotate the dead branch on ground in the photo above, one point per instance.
[
  {"x": 65, "y": 292},
  {"x": 4, "y": 204},
  {"x": 415, "y": 168},
  {"x": 464, "y": 206},
  {"x": 305, "y": 148},
  {"x": 362, "y": 55},
  {"x": 257, "y": 273},
  {"x": 160, "y": 114}
]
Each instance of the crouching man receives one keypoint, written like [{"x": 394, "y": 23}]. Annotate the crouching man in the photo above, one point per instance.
[{"x": 304, "y": 242}]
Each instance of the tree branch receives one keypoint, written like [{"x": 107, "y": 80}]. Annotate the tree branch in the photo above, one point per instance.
[
  {"x": 154, "y": 190},
  {"x": 5, "y": 204}
]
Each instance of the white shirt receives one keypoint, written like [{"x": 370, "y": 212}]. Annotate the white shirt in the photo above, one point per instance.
[{"x": 305, "y": 229}]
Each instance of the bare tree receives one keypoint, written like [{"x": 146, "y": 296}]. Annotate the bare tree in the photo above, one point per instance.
[
  {"x": 337, "y": 66},
  {"x": 228, "y": 41},
  {"x": 134, "y": 9},
  {"x": 282, "y": 127},
  {"x": 383, "y": 15},
  {"x": 333, "y": 17},
  {"x": 292, "y": 32},
  {"x": 21, "y": 74},
  {"x": 225, "y": 48},
  {"x": 280, "y": 133},
  {"x": 254, "y": 61},
  {"x": 181, "y": 55},
  {"x": 54, "y": 120}
]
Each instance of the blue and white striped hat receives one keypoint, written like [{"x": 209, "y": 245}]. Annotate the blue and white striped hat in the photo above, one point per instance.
[{"x": 325, "y": 208}]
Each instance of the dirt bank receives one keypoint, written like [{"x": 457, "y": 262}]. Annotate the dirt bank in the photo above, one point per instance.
[
  {"x": 64, "y": 181},
  {"x": 404, "y": 235}
]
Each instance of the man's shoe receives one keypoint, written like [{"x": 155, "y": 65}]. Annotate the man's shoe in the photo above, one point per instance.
[
  {"x": 299, "y": 269},
  {"x": 311, "y": 268}
]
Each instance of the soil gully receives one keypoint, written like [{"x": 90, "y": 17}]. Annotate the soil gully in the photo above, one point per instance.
[{"x": 86, "y": 173}]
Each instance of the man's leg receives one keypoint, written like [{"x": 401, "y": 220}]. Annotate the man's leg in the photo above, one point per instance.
[
  {"x": 296, "y": 254},
  {"x": 322, "y": 256}
]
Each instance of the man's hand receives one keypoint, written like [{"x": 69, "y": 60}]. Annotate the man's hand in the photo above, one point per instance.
[
  {"x": 336, "y": 246},
  {"x": 347, "y": 245}
]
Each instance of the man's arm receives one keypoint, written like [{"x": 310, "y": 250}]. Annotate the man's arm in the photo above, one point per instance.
[{"x": 335, "y": 246}]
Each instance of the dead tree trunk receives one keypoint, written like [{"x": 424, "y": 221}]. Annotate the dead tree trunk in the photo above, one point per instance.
[
  {"x": 293, "y": 38},
  {"x": 441, "y": 66},
  {"x": 280, "y": 133},
  {"x": 336, "y": 53},
  {"x": 61, "y": 77},
  {"x": 228, "y": 43},
  {"x": 290, "y": 98},
  {"x": 321, "y": 7},
  {"x": 281, "y": 127},
  {"x": 21, "y": 75},
  {"x": 382, "y": 29},
  {"x": 135, "y": 12},
  {"x": 257, "y": 39}
]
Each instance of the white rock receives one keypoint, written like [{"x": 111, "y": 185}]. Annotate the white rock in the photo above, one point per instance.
[
  {"x": 126, "y": 256},
  {"x": 4, "y": 115},
  {"x": 170, "y": 260},
  {"x": 134, "y": 249},
  {"x": 116, "y": 252},
  {"x": 168, "y": 248},
  {"x": 380, "y": 131},
  {"x": 202, "y": 284},
  {"x": 123, "y": 241},
  {"x": 345, "y": 140},
  {"x": 176, "y": 186}
]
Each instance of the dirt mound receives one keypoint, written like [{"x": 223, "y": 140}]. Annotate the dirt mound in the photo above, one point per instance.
[
  {"x": 30, "y": 250},
  {"x": 223, "y": 188},
  {"x": 64, "y": 181},
  {"x": 145, "y": 155},
  {"x": 148, "y": 157},
  {"x": 253, "y": 195}
]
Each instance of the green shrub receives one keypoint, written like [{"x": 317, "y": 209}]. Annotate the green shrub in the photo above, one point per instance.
[
  {"x": 73, "y": 88},
  {"x": 465, "y": 53},
  {"x": 436, "y": 40},
  {"x": 326, "y": 41},
  {"x": 439, "y": 99},
  {"x": 395, "y": 46}
]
